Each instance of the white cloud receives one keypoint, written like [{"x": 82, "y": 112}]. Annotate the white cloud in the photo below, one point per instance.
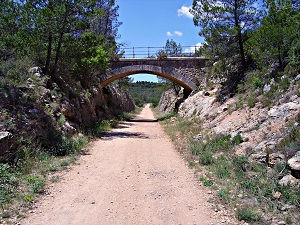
[
  {"x": 169, "y": 34},
  {"x": 185, "y": 11},
  {"x": 193, "y": 48},
  {"x": 178, "y": 33}
]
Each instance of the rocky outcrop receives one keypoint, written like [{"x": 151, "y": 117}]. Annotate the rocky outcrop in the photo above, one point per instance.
[
  {"x": 36, "y": 110},
  {"x": 261, "y": 128},
  {"x": 168, "y": 101}
]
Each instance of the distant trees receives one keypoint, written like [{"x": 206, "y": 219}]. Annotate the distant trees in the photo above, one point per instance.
[
  {"x": 146, "y": 92},
  {"x": 171, "y": 49}
]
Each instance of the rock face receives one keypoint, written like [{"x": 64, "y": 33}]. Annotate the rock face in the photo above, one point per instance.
[
  {"x": 38, "y": 108},
  {"x": 202, "y": 104},
  {"x": 168, "y": 101},
  {"x": 261, "y": 128}
]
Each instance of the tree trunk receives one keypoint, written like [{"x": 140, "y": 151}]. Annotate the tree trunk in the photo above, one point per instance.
[
  {"x": 60, "y": 40},
  {"x": 239, "y": 35},
  {"x": 47, "y": 65}
]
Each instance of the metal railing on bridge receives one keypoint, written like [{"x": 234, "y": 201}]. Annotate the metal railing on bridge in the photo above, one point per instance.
[{"x": 157, "y": 52}]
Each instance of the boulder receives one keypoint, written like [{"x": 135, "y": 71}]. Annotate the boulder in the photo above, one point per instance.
[
  {"x": 5, "y": 141},
  {"x": 275, "y": 158},
  {"x": 294, "y": 163},
  {"x": 288, "y": 180},
  {"x": 36, "y": 71},
  {"x": 68, "y": 129},
  {"x": 259, "y": 157}
]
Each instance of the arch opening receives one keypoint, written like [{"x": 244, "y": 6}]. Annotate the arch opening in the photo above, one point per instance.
[{"x": 118, "y": 75}]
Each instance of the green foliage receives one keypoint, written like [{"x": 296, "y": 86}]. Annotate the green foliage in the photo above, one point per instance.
[
  {"x": 224, "y": 37},
  {"x": 36, "y": 183},
  {"x": 167, "y": 116},
  {"x": 8, "y": 184},
  {"x": 173, "y": 49},
  {"x": 222, "y": 170},
  {"x": 206, "y": 182},
  {"x": 251, "y": 101},
  {"x": 102, "y": 127},
  {"x": 58, "y": 145},
  {"x": 61, "y": 120},
  {"x": 257, "y": 82},
  {"x": 237, "y": 139},
  {"x": 277, "y": 37},
  {"x": 29, "y": 198},
  {"x": 223, "y": 195},
  {"x": 205, "y": 158},
  {"x": 248, "y": 214},
  {"x": 75, "y": 38}
]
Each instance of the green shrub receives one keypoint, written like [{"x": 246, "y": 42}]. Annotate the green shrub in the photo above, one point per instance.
[
  {"x": 248, "y": 215},
  {"x": 257, "y": 82},
  {"x": 102, "y": 127},
  {"x": 36, "y": 183},
  {"x": 223, "y": 195},
  {"x": 222, "y": 170},
  {"x": 167, "y": 116},
  {"x": 29, "y": 198},
  {"x": 61, "y": 120},
  {"x": 237, "y": 139},
  {"x": 251, "y": 101},
  {"x": 205, "y": 158},
  {"x": 285, "y": 83},
  {"x": 250, "y": 185},
  {"x": 8, "y": 184},
  {"x": 206, "y": 182}
]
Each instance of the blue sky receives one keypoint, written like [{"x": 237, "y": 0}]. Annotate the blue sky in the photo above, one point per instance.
[{"x": 150, "y": 23}]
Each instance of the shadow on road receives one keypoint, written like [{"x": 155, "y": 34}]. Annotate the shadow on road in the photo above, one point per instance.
[
  {"x": 113, "y": 135},
  {"x": 143, "y": 120}
]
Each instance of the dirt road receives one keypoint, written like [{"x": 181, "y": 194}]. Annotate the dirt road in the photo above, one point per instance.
[{"x": 132, "y": 176}]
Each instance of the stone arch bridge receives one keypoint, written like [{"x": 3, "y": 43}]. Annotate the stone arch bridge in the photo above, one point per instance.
[{"x": 185, "y": 71}]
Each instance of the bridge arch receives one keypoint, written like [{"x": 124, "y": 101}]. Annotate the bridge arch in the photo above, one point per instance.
[{"x": 169, "y": 74}]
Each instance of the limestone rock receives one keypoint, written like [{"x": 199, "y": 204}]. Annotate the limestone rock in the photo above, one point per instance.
[
  {"x": 288, "y": 180},
  {"x": 259, "y": 157},
  {"x": 294, "y": 163},
  {"x": 36, "y": 71},
  {"x": 68, "y": 129},
  {"x": 265, "y": 144},
  {"x": 275, "y": 158},
  {"x": 277, "y": 194},
  {"x": 201, "y": 105},
  {"x": 198, "y": 137}
]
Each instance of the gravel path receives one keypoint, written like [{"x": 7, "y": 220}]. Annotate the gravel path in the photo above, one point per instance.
[{"x": 132, "y": 176}]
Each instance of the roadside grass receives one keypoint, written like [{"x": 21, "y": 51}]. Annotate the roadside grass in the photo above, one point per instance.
[
  {"x": 246, "y": 186},
  {"x": 23, "y": 180}
]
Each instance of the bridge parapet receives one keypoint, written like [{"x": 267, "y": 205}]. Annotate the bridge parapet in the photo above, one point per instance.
[{"x": 152, "y": 52}]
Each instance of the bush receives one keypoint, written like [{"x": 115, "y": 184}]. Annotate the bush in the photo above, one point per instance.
[
  {"x": 206, "y": 182},
  {"x": 205, "y": 158},
  {"x": 248, "y": 215},
  {"x": 167, "y": 116},
  {"x": 8, "y": 184},
  {"x": 257, "y": 82},
  {"x": 36, "y": 183},
  {"x": 222, "y": 170}
]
